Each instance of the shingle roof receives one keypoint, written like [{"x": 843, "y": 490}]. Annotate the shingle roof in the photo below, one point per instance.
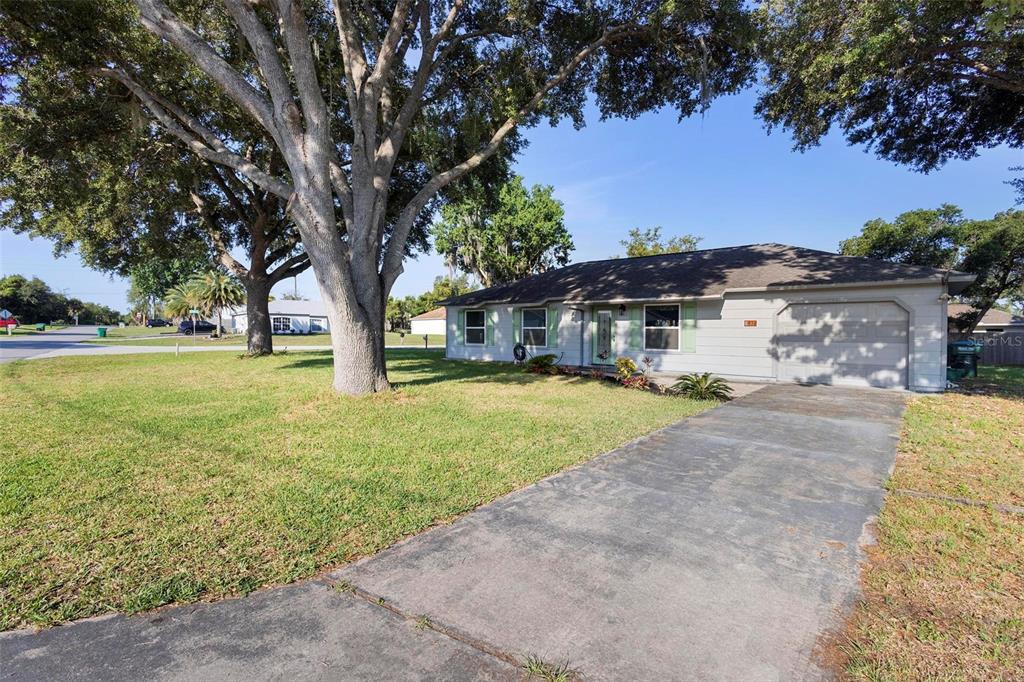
[
  {"x": 435, "y": 314},
  {"x": 993, "y": 317},
  {"x": 709, "y": 272}
]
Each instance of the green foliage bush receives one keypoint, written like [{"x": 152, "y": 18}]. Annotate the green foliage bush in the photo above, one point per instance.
[
  {"x": 640, "y": 382},
  {"x": 542, "y": 364},
  {"x": 625, "y": 368},
  {"x": 703, "y": 386}
]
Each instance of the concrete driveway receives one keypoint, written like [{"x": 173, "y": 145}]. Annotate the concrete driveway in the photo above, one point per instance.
[{"x": 720, "y": 548}]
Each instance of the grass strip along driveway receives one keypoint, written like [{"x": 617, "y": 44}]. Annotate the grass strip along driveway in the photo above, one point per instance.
[
  {"x": 140, "y": 480},
  {"x": 944, "y": 587}
]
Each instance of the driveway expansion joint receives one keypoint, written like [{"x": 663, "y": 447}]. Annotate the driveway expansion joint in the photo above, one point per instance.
[{"x": 427, "y": 622}]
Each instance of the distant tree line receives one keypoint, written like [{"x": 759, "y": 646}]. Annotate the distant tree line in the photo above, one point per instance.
[
  {"x": 32, "y": 301},
  {"x": 401, "y": 310}
]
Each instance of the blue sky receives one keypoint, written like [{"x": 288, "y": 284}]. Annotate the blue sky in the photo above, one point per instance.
[{"x": 719, "y": 176}]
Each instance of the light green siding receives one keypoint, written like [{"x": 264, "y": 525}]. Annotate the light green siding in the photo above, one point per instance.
[
  {"x": 636, "y": 327},
  {"x": 689, "y": 331},
  {"x": 491, "y": 322},
  {"x": 553, "y": 319}
]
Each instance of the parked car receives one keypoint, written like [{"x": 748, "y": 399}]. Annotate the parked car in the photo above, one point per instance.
[
  {"x": 187, "y": 327},
  {"x": 157, "y": 322}
]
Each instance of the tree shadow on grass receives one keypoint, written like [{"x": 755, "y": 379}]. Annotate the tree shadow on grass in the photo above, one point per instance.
[
  {"x": 1000, "y": 382},
  {"x": 430, "y": 367}
]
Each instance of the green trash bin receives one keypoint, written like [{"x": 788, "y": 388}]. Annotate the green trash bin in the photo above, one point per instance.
[
  {"x": 40, "y": 327},
  {"x": 101, "y": 332},
  {"x": 963, "y": 357}
]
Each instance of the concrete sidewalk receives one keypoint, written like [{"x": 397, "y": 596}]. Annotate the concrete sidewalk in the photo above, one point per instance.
[{"x": 722, "y": 547}]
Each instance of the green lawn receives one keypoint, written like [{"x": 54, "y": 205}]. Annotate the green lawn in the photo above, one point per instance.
[
  {"x": 149, "y": 479},
  {"x": 945, "y": 585},
  {"x": 280, "y": 340}
]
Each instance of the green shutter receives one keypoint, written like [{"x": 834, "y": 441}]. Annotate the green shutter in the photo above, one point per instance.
[
  {"x": 460, "y": 328},
  {"x": 517, "y": 325},
  {"x": 491, "y": 322},
  {"x": 636, "y": 327},
  {"x": 689, "y": 344},
  {"x": 552, "y": 334}
]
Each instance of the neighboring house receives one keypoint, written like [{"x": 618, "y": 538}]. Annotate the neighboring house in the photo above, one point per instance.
[
  {"x": 286, "y": 317},
  {"x": 430, "y": 322},
  {"x": 994, "y": 320},
  {"x": 764, "y": 312}
]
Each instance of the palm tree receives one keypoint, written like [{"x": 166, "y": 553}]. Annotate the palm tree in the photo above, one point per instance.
[
  {"x": 179, "y": 300},
  {"x": 215, "y": 291}
]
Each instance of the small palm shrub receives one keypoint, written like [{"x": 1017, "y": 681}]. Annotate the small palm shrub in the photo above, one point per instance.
[
  {"x": 625, "y": 368},
  {"x": 703, "y": 386},
  {"x": 542, "y": 364}
]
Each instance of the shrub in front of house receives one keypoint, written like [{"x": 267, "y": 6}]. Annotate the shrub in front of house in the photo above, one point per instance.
[
  {"x": 702, "y": 386},
  {"x": 624, "y": 368},
  {"x": 639, "y": 382},
  {"x": 542, "y": 364}
]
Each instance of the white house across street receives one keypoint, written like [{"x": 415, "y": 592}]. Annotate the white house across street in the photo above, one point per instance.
[
  {"x": 286, "y": 317},
  {"x": 430, "y": 322}
]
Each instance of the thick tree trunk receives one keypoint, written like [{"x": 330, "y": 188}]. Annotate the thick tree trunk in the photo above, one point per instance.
[
  {"x": 259, "y": 338},
  {"x": 359, "y": 364},
  {"x": 353, "y": 294},
  {"x": 357, "y": 333}
]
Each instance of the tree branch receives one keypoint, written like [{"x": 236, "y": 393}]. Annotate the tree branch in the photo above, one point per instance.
[
  {"x": 343, "y": 190},
  {"x": 392, "y": 266},
  {"x": 212, "y": 230},
  {"x": 163, "y": 23},
  {"x": 212, "y": 149},
  {"x": 296, "y": 35},
  {"x": 352, "y": 55},
  {"x": 388, "y": 49},
  {"x": 265, "y": 50},
  {"x": 236, "y": 204},
  {"x": 291, "y": 267}
]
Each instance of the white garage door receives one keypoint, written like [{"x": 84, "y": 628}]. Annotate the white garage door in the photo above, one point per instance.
[{"x": 852, "y": 344}]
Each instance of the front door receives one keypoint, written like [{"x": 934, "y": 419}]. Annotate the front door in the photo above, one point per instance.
[{"x": 603, "y": 338}]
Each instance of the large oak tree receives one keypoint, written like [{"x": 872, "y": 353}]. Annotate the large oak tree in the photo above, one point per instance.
[
  {"x": 87, "y": 170},
  {"x": 433, "y": 79},
  {"x": 918, "y": 81}
]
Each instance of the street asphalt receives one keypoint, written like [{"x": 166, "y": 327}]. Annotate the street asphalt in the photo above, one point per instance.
[
  {"x": 68, "y": 342},
  {"x": 33, "y": 345},
  {"x": 723, "y": 547}
]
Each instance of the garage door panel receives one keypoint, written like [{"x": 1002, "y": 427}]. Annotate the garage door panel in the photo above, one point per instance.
[
  {"x": 887, "y": 354},
  {"x": 863, "y": 344},
  {"x": 866, "y": 333}
]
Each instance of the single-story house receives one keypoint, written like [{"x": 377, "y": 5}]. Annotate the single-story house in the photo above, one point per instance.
[
  {"x": 430, "y": 322},
  {"x": 763, "y": 312},
  {"x": 286, "y": 317},
  {"x": 993, "y": 322}
]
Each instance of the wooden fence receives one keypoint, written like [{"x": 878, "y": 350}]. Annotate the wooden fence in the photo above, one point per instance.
[{"x": 998, "y": 349}]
